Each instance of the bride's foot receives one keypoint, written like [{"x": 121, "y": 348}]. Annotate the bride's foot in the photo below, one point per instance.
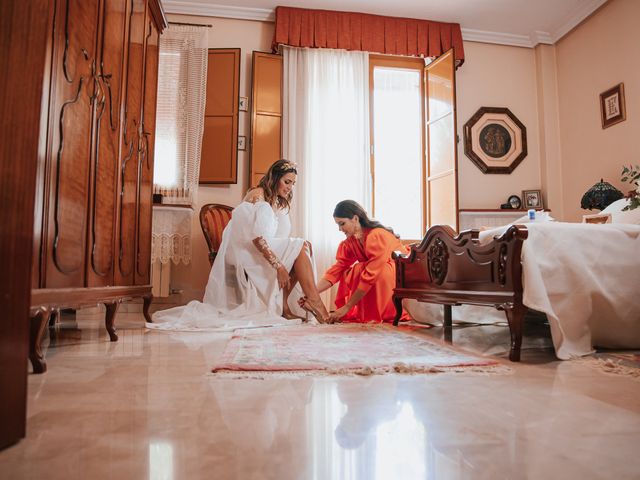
[
  {"x": 289, "y": 315},
  {"x": 317, "y": 308}
]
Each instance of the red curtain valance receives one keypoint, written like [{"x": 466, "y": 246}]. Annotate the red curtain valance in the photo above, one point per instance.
[{"x": 301, "y": 27}]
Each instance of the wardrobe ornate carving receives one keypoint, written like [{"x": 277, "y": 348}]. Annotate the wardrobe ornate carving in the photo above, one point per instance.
[{"x": 92, "y": 233}]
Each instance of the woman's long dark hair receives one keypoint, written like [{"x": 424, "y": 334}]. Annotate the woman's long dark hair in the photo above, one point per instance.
[
  {"x": 269, "y": 183},
  {"x": 349, "y": 208}
]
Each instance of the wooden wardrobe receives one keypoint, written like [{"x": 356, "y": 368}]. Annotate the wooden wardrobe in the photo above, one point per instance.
[{"x": 92, "y": 233}]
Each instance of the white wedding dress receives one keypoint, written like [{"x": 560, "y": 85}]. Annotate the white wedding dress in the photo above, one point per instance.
[{"x": 242, "y": 291}]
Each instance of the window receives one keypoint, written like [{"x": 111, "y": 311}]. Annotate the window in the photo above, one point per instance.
[
  {"x": 397, "y": 160},
  {"x": 166, "y": 153},
  {"x": 182, "y": 76}
]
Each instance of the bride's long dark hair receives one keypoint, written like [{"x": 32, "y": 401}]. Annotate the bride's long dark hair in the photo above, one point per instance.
[{"x": 349, "y": 208}]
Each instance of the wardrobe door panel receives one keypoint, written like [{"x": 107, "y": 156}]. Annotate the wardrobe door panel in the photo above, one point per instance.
[
  {"x": 107, "y": 142},
  {"x": 69, "y": 153},
  {"x": 130, "y": 147},
  {"x": 145, "y": 189}
]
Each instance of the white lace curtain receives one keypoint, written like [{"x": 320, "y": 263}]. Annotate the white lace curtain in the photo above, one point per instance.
[
  {"x": 171, "y": 236},
  {"x": 182, "y": 82}
]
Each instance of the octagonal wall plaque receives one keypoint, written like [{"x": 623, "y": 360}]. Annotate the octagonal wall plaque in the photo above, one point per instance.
[{"x": 495, "y": 140}]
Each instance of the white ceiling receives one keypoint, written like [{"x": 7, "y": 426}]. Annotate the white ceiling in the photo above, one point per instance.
[{"x": 523, "y": 23}]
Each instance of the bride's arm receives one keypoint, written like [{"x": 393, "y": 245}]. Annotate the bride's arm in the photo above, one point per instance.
[{"x": 257, "y": 195}]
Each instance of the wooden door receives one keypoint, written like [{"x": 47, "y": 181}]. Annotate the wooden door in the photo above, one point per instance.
[
  {"x": 70, "y": 122},
  {"x": 145, "y": 159},
  {"x": 442, "y": 158},
  {"x": 266, "y": 114},
  {"x": 130, "y": 146},
  {"x": 108, "y": 91},
  {"x": 23, "y": 46}
]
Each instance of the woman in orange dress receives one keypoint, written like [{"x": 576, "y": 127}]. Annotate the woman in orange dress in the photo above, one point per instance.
[{"x": 364, "y": 269}]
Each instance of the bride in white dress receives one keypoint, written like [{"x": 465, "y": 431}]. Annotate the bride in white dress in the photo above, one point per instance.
[{"x": 254, "y": 279}]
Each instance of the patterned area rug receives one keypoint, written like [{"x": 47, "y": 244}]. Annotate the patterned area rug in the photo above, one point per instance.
[
  {"x": 616, "y": 363},
  {"x": 345, "y": 349}
]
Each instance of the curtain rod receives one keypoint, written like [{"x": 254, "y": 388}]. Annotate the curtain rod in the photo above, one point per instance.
[{"x": 191, "y": 24}]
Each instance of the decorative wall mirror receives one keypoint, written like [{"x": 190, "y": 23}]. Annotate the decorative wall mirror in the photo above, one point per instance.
[{"x": 495, "y": 140}]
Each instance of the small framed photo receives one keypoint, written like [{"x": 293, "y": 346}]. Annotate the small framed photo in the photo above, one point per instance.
[
  {"x": 243, "y": 104},
  {"x": 242, "y": 142},
  {"x": 532, "y": 199},
  {"x": 612, "y": 109}
]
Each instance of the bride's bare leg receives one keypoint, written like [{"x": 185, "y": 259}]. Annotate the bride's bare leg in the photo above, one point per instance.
[
  {"x": 286, "y": 311},
  {"x": 304, "y": 271}
]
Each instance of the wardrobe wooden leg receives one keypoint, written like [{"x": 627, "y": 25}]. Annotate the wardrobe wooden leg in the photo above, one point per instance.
[
  {"x": 109, "y": 320},
  {"x": 38, "y": 324},
  {"x": 147, "y": 299}
]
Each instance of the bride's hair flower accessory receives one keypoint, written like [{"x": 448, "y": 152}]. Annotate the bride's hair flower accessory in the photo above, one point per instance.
[{"x": 286, "y": 166}]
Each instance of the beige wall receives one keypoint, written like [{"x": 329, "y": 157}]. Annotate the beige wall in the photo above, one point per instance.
[
  {"x": 225, "y": 33},
  {"x": 497, "y": 76},
  {"x": 554, "y": 91},
  {"x": 597, "y": 55},
  {"x": 549, "y": 129}
]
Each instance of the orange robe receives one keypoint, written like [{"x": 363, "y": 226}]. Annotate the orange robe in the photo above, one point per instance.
[{"x": 367, "y": 266}]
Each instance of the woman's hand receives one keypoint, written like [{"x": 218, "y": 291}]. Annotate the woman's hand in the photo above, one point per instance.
[
  {"x": 338, "y": 314},
  {"x": 283, "y": 277}
]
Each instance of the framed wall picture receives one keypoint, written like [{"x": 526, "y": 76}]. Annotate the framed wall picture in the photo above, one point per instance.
[
  {"x": 612, "y": 109},
  {"x": 495, "y": 140},
  {"x": 532, "y": 199},
  {"x": 242, "y": 142}
]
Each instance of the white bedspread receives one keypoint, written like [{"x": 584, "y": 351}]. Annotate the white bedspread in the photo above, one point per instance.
[{"x": 586, "y": 278}]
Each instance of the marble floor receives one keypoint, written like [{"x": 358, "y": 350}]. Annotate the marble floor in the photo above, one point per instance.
[{"x": 146, "y": 407}]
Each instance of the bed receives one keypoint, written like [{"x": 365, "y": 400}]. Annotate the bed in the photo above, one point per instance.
[{"x": 584, "y": 277}]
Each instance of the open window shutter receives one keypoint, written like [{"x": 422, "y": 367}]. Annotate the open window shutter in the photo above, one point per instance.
[
  {"x": 219, "y": 159},
  {"x": 442, "y": 159},
  {"x": 266, "y": 113}
]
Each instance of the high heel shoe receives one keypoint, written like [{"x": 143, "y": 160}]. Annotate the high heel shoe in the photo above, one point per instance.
[{"x": 312, "y": 307}]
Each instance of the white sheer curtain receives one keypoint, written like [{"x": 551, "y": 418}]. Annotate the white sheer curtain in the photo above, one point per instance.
[
  {"x": 182, "y": 87},
  {"x": 326, "y": 131}
]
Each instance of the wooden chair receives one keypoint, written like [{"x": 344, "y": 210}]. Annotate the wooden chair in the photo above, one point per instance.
[{"x": 213, "y": 218}]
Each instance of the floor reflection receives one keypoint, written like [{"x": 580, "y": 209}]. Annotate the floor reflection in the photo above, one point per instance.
[
  {"x": 160, "y": 461},
  {"x": 365, "y": 430}
]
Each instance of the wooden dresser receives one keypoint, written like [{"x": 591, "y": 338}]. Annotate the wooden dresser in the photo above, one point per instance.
[{"x": 92, "y": 233}]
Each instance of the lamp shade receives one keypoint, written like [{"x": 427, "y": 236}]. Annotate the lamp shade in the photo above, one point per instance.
[{"x": 600, "y": 196}]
